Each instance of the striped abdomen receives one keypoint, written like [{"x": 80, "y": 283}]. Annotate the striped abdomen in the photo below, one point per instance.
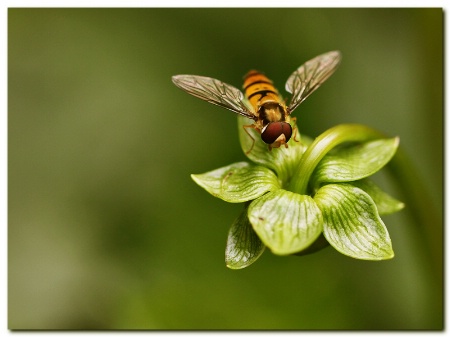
[{"x": 264, "y": 97}]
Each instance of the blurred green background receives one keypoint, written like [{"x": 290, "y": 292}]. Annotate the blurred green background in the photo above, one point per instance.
[{"x": 108, "y": 231}]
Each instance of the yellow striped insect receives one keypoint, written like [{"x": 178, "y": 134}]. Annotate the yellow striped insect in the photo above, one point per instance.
[{"x": 261, "y": 102}]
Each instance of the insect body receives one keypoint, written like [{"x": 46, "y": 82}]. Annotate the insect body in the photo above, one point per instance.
[
  {"x": 262, "y": 102},
  {"x": 273, "y": 119}
]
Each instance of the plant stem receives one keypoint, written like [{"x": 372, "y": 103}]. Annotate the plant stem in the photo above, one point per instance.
[
  {"x": 322, "y": 145},
  {"x": 427, "y": 216}
]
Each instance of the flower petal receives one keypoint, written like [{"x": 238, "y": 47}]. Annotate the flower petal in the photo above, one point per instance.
[
  {"x": 286, "y": 222},
  {"x": 282, "y": 160},
  {"x": 316, "y": 246},
  {"x": 243, "y": 245},
  {"x": 351, "y": 223},
  {"x": 355, "y": 162},
  {"x": 238, "y": 182},
  {"x": 385, "y": 203}
]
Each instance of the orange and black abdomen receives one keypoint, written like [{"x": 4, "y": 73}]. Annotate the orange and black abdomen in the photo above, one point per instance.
[{"x": 259, "y": 90}]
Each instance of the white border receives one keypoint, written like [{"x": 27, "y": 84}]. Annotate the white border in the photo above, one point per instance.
[{"x": 166, "y": 3}]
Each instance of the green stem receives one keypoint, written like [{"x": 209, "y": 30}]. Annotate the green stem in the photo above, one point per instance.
[
  {"x": 322, "y": 145},
  {"x": 427, "y": 215}
]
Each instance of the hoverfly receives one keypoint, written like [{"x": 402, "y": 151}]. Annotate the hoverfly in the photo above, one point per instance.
[{"x": 261, "y": 102}]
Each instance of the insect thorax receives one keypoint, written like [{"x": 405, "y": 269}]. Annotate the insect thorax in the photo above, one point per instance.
[{"x": 272, "y": 112}]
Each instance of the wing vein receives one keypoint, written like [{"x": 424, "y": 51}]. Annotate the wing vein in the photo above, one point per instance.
[
  {"x": 310, "y": 76},
  {"x": 215, "y": 92}
]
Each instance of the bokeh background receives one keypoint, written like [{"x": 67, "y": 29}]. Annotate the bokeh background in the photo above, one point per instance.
[{"x": 108, "y": 231}]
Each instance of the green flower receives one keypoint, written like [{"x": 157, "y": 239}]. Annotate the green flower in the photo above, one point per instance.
[{"x": 301, "y": 198}]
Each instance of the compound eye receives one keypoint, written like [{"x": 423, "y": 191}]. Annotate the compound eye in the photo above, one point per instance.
[{"x": 274, "y": 130}]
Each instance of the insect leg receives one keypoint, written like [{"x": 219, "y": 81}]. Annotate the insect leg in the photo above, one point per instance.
[
  {"x": 294, "y": 119},
  {"x": 250, "y": 126}
]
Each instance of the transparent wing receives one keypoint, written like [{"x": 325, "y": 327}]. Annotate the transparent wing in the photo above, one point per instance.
[
  {"x": 306, "y": 79},
  {"x": 215, "y": 92}
]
